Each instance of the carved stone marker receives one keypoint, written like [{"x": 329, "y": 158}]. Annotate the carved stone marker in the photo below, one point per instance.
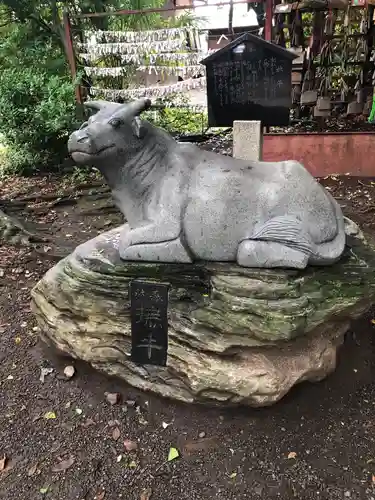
[
  {"x": 249, "y": 79},
  {"x": 149, "y": 322},
  {"x": 248, "y": 140}
]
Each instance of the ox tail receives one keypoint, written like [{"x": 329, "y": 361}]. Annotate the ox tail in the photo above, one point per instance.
[{"x": 292, "y": 233}]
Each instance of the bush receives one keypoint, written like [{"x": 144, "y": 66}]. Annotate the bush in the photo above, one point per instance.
[
  {"x": 182, "y": 120},
  {"x": 37, "y": 103}
]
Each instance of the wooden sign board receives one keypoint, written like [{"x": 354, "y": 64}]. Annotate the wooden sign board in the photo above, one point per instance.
[{"x": 249, "y": 79}]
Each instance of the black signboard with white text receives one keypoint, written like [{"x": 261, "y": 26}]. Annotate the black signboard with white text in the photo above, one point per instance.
[
  {"x": 249, "y": 79},
  {"x": 149, "y": 322}
]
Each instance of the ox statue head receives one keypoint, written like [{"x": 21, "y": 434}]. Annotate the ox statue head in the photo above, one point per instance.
[{"x": 113, "y": 129}]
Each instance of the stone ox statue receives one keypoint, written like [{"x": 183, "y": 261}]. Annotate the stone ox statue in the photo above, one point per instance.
[{"x": 183, "y": 204}]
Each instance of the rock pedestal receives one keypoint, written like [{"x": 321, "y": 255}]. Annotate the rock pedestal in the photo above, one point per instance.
[{"x": 236, "y": 335}]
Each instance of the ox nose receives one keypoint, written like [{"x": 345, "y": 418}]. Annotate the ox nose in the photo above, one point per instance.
[{"x": 79, "y": 140}]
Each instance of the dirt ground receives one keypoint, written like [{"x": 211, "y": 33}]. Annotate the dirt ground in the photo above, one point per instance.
[{"x": 62, "y": 440}]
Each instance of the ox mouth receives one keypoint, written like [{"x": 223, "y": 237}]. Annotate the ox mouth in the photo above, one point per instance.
[{"x": 80, "y": 156}]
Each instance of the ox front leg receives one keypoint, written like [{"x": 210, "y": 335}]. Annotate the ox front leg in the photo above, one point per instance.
[
  {"x": 150, "y": 233},
  {"x": 159, "y": 238},
  {"x": 154, "y": 243}
]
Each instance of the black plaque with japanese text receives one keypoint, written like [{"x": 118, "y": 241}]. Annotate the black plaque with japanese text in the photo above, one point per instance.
[
  {"x": 249, "y": 79},
  {"x": 149, "y": 322}
]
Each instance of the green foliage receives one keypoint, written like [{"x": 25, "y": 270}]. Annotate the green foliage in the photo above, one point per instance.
[
  {"x": 181, "y": 120},
  {"x": 36, "y": 101},
  {"x": 175, "y": 115}
]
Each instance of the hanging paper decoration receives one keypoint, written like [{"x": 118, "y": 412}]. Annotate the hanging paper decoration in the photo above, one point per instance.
[
  {"x": 96, "y": 50},
  {"x": 155, "y": 91},
  {"x": 139, "y": 58},
  {"x": 96, "y": 71},
  {"x": 186, "y": 35},
  {"x": 164, "y": 52},
  {"x": 183, "y": 71}
]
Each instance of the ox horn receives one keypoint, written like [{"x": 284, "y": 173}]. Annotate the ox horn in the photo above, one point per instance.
[
  {"x": 135, "y": 108},
  {"x": 95, "y": 105}
]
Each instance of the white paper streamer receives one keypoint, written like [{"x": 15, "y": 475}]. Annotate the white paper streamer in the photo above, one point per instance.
[
  {"x": 156, "y": 91},
  {"x": 103, "y": 49},
  {"x": 142, "y": 36},
  {"x": 188, "y": 58},
  {"x": 182, "y": 71},
  {"x": 96, "y": 71}
]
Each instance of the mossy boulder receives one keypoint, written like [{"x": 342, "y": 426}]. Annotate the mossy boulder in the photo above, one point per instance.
[{"x": 236, "y": 335}]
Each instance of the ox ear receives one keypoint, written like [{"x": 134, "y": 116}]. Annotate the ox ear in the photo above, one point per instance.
[{"x": 138, "y": 127}]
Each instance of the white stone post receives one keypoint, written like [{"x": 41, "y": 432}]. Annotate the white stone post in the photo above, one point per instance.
[{"x": 248, "y": 140}]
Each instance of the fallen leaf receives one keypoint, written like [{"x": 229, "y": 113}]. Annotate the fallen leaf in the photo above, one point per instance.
[
  {"x": 132, "y": 464},
  {"x": 165, "y": 425},
  {"x": 3, "y": 462},
  {"x": 32, "y": 470},
  {"x": 78, "y": 411},
  {"x": 373, "y": 321},
  {"x": 116, "y": 433},
  {"x": 44, "y": 372},
  {"x": 373, "y": 479},
  {"x": 112, "y": 397},
  {"x": 291, "y": 455},
  {"x": 44, "y": 490},
  {"x": 63, "y": 465},
  {"x": 233, "y": 475},
  {"x": 18, "y": 340},
  {"x": 50, "y": 415},
  {"x": 118, "y": 458},
  {"x": 173, "y": 454},
  {"x": 100, "y": 496},
  {"x": 69, "y": 371},
  {"x": 146, "y": 494},
  {"x": 130, "y": 445}
]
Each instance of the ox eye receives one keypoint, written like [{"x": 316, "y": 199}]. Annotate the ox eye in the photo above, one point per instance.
[{"x": 116, "y": 122}]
